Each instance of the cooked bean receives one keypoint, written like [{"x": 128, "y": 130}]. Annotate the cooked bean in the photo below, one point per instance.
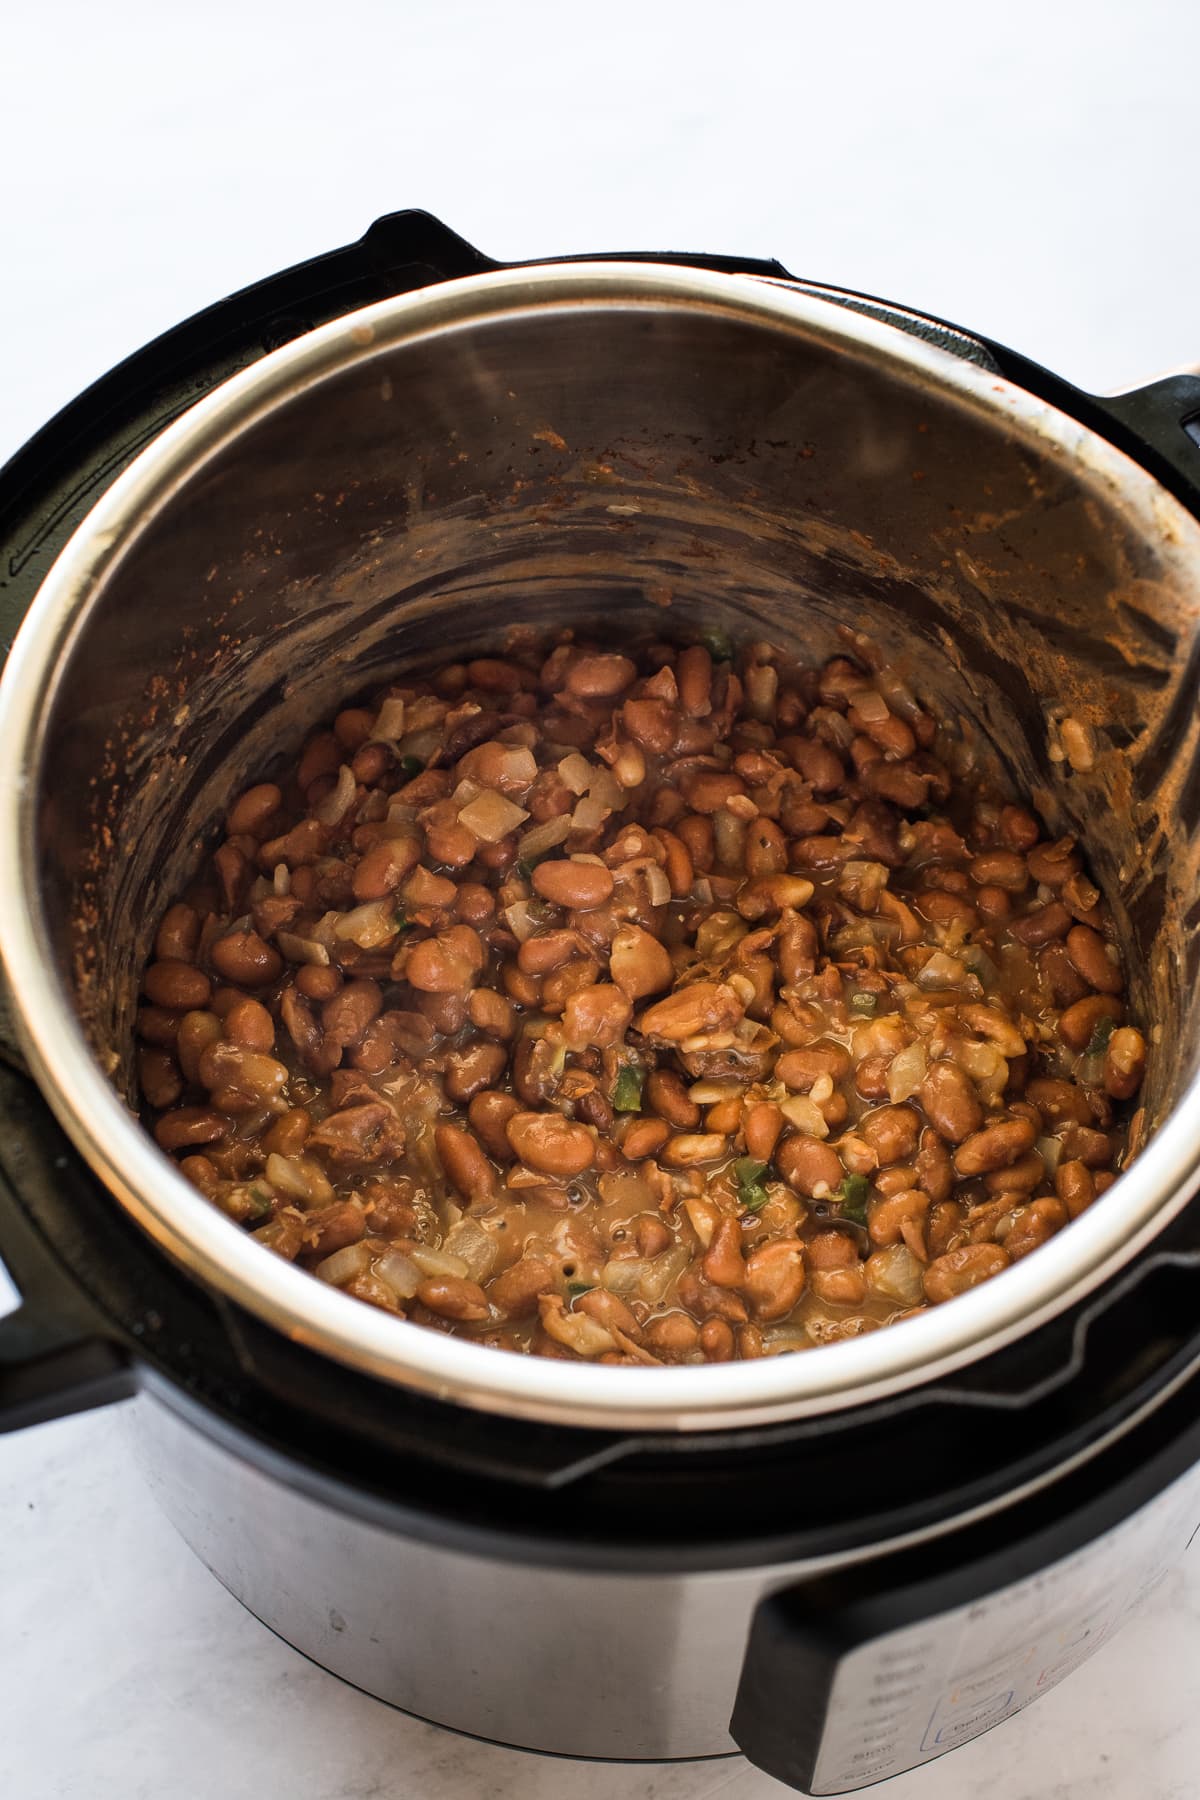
[
  {"x": 761, "y": 1128},
  {"x": 454, "y": 1297},
  {"x": 950, "y": 1101},
  {"x": 808, "y": 1165},
  {"x": 639, "y": 964},
  {"x": 996, "y": 1146},
  {"x": 159, "y": 1076},
  {"x": 1077, "y": 1023},
  {"x": 893, "y": 1133},
  {"x": 467, "y": 1168},
  {"x": 178, "y": 935},
  {"x": 551, "y": 1144},
  {"x": 471, "y": 1070},
  {"x": 515, "y": 1291},
  {"x": 1124, "y": 1063},
  {"x": 1075, "y": 1186},
  {"x": 1089, "y": 953},
  {"x": 244, "y": 958},
  {"x": 667, "y": 1096},
  {"x": 249, "y": 1024},
  {"x": 580, "y": 886},
  {"x": 644, "y": 1137},
  {"x": 752, "y": 855},
  {"x": 799, "y": 1069},
  {"x": 187, "y": 1125},
  {"x": 774, "y": 1278},
  {"x": 956, "y": 1271},
  {"x": 176, "y": 986}
]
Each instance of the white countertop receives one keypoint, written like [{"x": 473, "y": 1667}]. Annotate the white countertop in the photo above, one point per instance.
[{"x": 1028, "y": 171}]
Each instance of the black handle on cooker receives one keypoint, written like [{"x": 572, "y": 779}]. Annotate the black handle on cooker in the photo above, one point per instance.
[{"x": 56, "y": 1352}]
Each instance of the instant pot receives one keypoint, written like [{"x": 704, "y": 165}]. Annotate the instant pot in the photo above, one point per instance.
[{"x": 841, "y": 1563}]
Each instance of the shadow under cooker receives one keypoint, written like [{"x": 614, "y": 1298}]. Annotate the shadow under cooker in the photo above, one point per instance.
[{"x": 679, "y": 459}]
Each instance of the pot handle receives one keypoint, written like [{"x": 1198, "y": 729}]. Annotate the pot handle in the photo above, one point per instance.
[{"x": 56, "y": 1356}]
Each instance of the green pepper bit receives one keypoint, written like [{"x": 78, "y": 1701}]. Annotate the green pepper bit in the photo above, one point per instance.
[
  {"x": 864, "y": 1002},
  {"x": 411, "y": 767},
  {"x": 627, "y": 1094},
  {"x": 718, "y": 643},
  {"x": 748, "y": 1173},
  {"x": 403, "y": 922},
  {"x": 851, "y": 1196},
  {"x": 1098, "y": 1042}
]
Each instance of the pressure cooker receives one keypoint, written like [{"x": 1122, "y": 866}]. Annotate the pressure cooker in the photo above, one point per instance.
[{"x": 841, "y": 1563}]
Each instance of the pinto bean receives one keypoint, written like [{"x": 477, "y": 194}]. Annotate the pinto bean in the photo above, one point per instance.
[
  {"x": 639, "y": 964},
  {"x": 799, "y": 1069},
  {"x": 515, "y": 1291},
  {"x": 893, "y": 1133},
  {"x": 761, "y": 1128},
  {"x": 454, "y": 1297},
  {"x": 1052, "y": 864},
  {"x": 723, "y": 1263},
  {"x": 651, "y": 723},
  {"x": 1033, "y": 1226},
  {"x": 178, "y": 935},
  {"x": 551, "y": 1144},
  {"x": 185, "y": 1126},
  {"x": 996, "y": 1146},
  {"x": 672, "y": 1336},
  {"x": 176, "y": 986},
  {"x": 596, "y": 1015},
  {"x": 1075, "y": 1186},
  {"x": 244, "y": 958},
  {"x": 716, "y": 1340},
  {"x": 254, "y": 812},
  {"x": 466, "y": 1168},
  {"x": 492, "y": 1014},
  {"x": 385, "y": 867},
  {"x": 580, "y": 886},
  {"x": 668, "y": 1097},
  {"x": 890, "y": 1215},
  {"x": 1078, "y": 1022},
  {"x": 1000, "y": 868},
  {"x": 249, "y": 1024},
  {"x": 471, "y": 1070},
  {"x": 774, "y": 1278},
  {"x": 809, "y": 1165},
  {"x": 489, "y": 1113},
  {"x": 159, "y": 1076},
  {"x": 448, "y": 963},
  {"x": 1124, "y": 1063},
  {"x": 950, "y": 1101},
  {"x": 1089, "y": 954},
  {"x": 1042, "y": 925},
  {"x": 644, "y": 1137},
  {"x": 956, "y": 1271}
]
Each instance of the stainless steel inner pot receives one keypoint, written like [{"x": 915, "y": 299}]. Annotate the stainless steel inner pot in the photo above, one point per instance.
[{"x": 624, "y": 448}]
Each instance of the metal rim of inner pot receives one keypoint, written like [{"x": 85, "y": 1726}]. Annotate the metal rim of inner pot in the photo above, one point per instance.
[{"x": 211, "y": 1247}]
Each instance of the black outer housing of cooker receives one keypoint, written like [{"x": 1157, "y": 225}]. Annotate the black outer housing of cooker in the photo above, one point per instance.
[{"x": 105, "y": 1313}]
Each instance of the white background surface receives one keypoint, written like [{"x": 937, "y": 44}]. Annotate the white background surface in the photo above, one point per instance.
[{"x": 1029, "y": 170}]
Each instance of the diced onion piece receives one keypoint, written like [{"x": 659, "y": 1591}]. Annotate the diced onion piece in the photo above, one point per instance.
[
  {"x": 1050, "y": 1151},
  {"x": 547, "y": 836},
  {"x": 896, "y": 1274},
  {"x": 300, "y": 1178},
  {"x": 870, "y": 706},
  {"x": 477, "y": 1248},
  {"x": 590, "y": 814},
  {"x": 492, "y": 817},
  {"x": 281, "y": 881},
  {"x": 906, "y": 1071},
  {"x": 805, "y": 1115},
  {"x": 421, "y": 744},
  {"x": 370, "y": 925},
  {"x": 658, "y": 888},
  {"x": 399, "y": 812},
  {"x": 400, "y": 1273},
  {"x": 425, "y": 712},
  {"x": 338, "y": 801},
  {"x": 710, "y": 1093},
  {"x": 517, "y": 768},
  {"x": 729, "y": 837},
  {"x": 344, "y": 1265},
  {"x": 389, "y": 723},
  {"x": 941, "y": 971},
  {"x": 438, "y": 1262},
  {"x": 623, "y": 1276},
  {"x": 521, "y": 920},
  {"x": 577, "y": 772},
  {"x": 302, "y": 950},
  {"x": 466, "y": 791}
]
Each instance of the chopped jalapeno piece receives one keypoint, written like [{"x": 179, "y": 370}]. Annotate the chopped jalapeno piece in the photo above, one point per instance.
[
  {"x": 852, "y": 1198},
  {"x": 864, "y": 1002},
  {"x": 627, "y": 1094},
  {"x": 748, "y": 1172},
  {"x": 1098, "y": 1042},
  {"x": 411, "y": 767},
  {"x": 718, "y": 643}
]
